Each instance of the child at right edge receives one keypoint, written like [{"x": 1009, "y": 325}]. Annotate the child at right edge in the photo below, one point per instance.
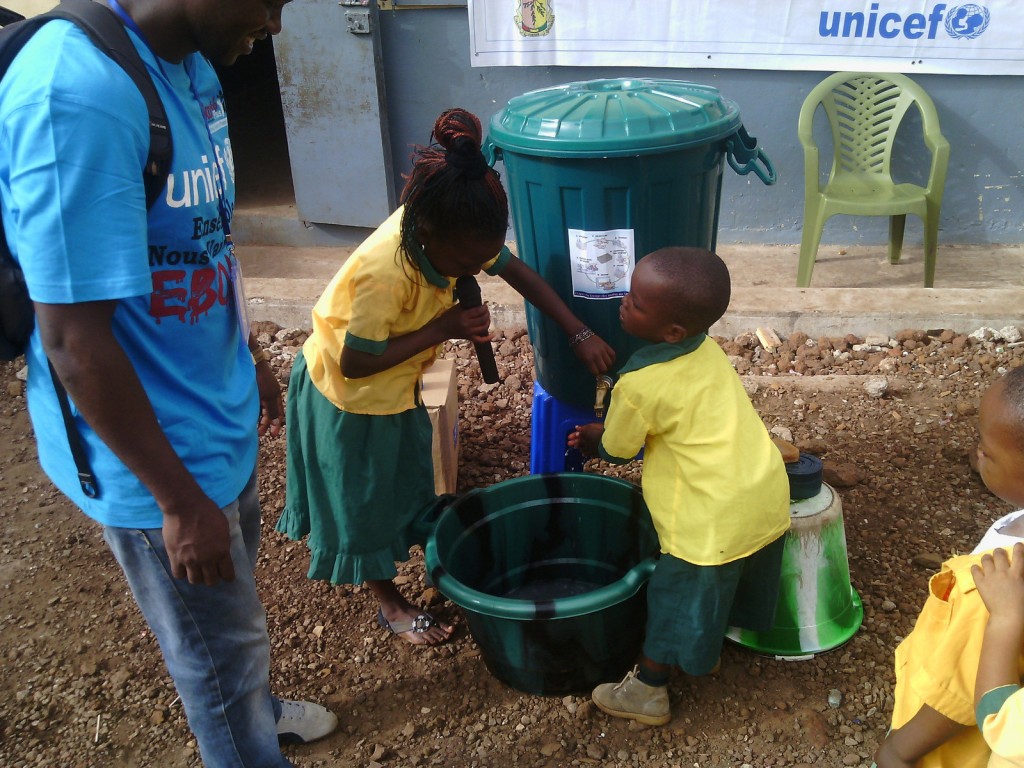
[
  {"x": 960, "y": 667},
  {"x": 714, "y": 482},
  {"x": 998, "y": 696}
]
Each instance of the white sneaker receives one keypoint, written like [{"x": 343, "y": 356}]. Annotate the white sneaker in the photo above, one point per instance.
[{"x": 303, "y": 721}]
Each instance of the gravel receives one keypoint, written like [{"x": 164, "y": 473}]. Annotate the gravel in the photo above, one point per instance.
[{"x": 894, "y": 420}]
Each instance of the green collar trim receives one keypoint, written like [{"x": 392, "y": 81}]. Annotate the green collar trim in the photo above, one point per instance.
[
  {"x": 434, "y": 277},
  {"x": 661, "y": 353}
]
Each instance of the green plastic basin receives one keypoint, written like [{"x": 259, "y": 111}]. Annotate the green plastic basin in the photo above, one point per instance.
[{"x": 550, "y": 571}]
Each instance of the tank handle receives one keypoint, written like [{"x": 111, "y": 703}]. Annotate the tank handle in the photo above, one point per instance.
[
  {"x": 491, "y": 151},
  {"x": 744, "y": 154}
]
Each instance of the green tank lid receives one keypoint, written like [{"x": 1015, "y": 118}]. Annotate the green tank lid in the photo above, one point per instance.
[{"x": 609, "y": 118}]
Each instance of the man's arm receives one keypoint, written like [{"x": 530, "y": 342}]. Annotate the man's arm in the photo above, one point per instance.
[
  {"x": 271, "y": 399},
  {"x": 99, "y": 377}
]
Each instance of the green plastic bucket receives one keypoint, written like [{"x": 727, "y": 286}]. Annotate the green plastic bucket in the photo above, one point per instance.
[
  {"x": 818, "y": 609},
  {"x": 550, "y": 571},
  {"x": 601, "y": 173}
]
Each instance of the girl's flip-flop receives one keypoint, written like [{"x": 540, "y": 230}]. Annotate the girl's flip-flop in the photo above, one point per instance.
[{"x": 419, "y": 625}]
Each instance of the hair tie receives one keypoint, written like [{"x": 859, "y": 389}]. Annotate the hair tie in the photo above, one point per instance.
[{"x": 469, "y": 161}]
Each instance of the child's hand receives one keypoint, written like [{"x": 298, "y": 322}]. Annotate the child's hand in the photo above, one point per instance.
[
  {"x": 1000, "y": 582},
  {"x": 925, "y": 732},
  {"x": 586, "y": 438},
  {"x": 595, "y": 354},
  {"x": 461, "y": 323}
]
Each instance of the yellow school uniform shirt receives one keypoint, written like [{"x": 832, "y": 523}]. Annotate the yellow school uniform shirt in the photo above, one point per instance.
[
  {"x": 1001, "y": 720},
  {"x": 376, "y": 295},
  {"x": 937, "y": 663},
  {"x": 713, "y": 480}
]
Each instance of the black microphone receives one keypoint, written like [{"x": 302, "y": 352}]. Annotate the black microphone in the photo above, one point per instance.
[{"x": 468, "y": 291}]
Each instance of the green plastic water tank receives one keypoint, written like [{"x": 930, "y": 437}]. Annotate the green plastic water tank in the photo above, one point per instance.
[{"x": 600, "y": 173}]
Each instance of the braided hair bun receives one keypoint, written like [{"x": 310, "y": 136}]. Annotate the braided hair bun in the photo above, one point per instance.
[
  {"x": 451, "y": 186},
  {"x": 459, "y": 133}
]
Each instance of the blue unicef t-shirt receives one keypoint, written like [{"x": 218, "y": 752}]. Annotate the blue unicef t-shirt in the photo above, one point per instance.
[{"x": 74, "y": 135}]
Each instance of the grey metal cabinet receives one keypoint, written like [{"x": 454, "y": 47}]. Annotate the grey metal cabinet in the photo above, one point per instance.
[{"x": 332, "y": 93}]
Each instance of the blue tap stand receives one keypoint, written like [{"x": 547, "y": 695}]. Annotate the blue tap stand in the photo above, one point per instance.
[{"x": 551, "y": 422}]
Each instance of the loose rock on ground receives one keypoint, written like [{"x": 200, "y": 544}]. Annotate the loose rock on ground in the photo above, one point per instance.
[{"x": 893, "y": 419}]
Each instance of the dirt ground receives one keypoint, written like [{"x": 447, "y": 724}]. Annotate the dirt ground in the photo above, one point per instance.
[{"x": 84, "y": 685}]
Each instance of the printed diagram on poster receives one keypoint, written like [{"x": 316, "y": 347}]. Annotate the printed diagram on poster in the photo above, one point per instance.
[{"x": 602, "y": 262}]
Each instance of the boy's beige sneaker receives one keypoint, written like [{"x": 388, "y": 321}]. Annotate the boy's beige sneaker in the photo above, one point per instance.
[{"x": 634, "y": 700}]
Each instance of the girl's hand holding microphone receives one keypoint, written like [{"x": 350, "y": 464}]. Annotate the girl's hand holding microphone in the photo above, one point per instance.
[{"x": 472, "y": 324}]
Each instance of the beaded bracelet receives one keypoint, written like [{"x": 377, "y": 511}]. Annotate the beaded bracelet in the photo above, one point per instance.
[
  {"x": 582, "y": 335},
  {"x": 259, "y": 355}
]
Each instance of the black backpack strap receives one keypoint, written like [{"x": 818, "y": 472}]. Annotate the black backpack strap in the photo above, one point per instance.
[
  {"x": 108, "y": 34},
  {"x": 7, "y": 16},
  {"x": 85, "y": 476}
]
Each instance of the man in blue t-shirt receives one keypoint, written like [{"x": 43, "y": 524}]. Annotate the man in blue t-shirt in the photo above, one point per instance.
[{"x": 141, "y": 315}]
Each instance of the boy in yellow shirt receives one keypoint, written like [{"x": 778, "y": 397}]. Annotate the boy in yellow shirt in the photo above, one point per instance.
[{"x": 713, "y": 480}]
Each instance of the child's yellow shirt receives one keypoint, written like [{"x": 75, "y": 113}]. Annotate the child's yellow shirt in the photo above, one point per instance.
[
  {"x": 1000, "y": 716},
  {"x": 937, "y": 663},
  {"x": 713, "y": 480},
  {"x": 377, "y": 295}
]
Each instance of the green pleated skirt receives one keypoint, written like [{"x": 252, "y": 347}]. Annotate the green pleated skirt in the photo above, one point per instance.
[{"x": 355, "y": 484}]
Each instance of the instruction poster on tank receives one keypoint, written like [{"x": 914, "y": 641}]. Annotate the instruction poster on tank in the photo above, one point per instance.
[
  {"x": 824, "y": 35},
  {"x": 601, "y": 262}
]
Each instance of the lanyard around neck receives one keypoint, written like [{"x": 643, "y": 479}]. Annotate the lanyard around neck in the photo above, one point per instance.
[{"x": 129, "y": 22}]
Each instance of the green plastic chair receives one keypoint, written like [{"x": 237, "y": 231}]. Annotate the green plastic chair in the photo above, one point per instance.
[{"x": 864, "y": 111}]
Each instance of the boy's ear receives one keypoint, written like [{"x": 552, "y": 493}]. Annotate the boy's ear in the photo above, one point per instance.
[{"x": 675, "y": 333}]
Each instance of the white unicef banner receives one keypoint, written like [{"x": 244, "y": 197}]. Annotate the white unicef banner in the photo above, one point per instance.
[{"x": 827, "y": 35}]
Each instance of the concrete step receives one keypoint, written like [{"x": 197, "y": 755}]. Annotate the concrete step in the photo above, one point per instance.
[{"x": 287, "y": 264}]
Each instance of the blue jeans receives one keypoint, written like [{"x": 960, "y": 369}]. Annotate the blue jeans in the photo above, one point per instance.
[{"x": 214, "y": 639}]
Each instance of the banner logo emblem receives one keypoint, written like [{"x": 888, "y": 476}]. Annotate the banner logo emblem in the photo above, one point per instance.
[
  {"x": 534, "y": 18},
  {"x": 967, "y": 21}
]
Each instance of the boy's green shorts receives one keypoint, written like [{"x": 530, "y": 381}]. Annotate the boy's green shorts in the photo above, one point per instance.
[{"x": 689, "y": 607}]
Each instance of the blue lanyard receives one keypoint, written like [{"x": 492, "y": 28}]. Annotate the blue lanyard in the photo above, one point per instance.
[
  {"x": 218, "y": 181},
  {"x": 129, "y": 22},
  {"x": 236, "y": 277}
]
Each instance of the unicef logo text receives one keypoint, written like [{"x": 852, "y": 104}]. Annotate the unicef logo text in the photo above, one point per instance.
[{"x": 959, "y": 21}]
